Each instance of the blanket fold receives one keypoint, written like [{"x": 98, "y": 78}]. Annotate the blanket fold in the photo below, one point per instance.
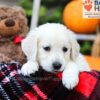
[{"x": 45, "y": 86}]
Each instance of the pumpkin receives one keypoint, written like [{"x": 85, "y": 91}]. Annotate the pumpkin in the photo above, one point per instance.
[
  {"x": 93, "y": 62},
  {"x": 73, "y": 18}
]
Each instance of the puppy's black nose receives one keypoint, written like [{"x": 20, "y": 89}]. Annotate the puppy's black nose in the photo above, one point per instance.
[{"x": 57, "y": 65}]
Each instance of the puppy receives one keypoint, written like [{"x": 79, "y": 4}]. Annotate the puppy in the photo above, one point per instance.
[{"x": 55, "y": 48}]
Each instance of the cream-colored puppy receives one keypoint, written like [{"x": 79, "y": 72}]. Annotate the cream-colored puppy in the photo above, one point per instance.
[{"x": 55, "y": 48}]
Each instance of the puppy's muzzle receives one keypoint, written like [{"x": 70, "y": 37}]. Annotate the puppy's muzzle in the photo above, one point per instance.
[{"x": 56, "y": 65}]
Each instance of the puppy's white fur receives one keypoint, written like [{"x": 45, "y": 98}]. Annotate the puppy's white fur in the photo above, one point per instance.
[{"x": 56, "y": 36}]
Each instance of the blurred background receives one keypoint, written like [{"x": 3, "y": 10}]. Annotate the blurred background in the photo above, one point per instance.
[
  {"x": 55, "y": 7},
  {"x": 47, "y": 7},
  {"x": 51, "y": 11}
]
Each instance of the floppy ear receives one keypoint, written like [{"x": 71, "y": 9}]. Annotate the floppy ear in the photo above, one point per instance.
[
  {"x": 29, "y": 47},
  {"x": 75, "y": 48}
]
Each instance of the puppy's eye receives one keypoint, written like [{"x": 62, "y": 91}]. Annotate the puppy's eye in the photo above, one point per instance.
[
  {"x": 65, "y": 49},
  {"x": 47, "y": 48}
]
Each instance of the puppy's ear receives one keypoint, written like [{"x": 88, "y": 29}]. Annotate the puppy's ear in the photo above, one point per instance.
[
  {"x": 29, "y": 47},
  {"x": 75, "y": 48}
]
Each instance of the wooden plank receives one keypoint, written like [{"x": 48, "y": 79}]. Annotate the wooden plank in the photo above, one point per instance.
[
  {"x": 85, "y": 37},
  {"x": 9, "y": 2}
]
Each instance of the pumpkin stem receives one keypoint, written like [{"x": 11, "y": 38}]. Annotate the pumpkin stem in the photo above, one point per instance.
[{"x": 96, "y": 44}]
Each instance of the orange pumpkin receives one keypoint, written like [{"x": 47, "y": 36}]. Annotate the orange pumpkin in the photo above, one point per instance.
[
  {"x": 72, "y": 17},
  {"x": 93, "y": 62}
]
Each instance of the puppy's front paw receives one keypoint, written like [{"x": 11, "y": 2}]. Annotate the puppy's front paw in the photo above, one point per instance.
[
  {"x": 29, "y": 68},
  {"x": 69, "y": 81}
]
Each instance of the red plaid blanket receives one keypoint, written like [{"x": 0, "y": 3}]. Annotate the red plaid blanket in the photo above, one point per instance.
[{"x": 45, "y": 86}]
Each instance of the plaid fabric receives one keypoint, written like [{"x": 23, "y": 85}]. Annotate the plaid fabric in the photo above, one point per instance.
[{"x": 45, "y": 86}]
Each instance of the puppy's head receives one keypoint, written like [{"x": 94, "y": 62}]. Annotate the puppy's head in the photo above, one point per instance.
[{"x": 52, "y": 46}]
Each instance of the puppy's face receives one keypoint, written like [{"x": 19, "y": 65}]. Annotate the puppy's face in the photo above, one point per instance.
[
  {"x": 52, "y": 46},
  {"x": 53, "y": 51}
]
